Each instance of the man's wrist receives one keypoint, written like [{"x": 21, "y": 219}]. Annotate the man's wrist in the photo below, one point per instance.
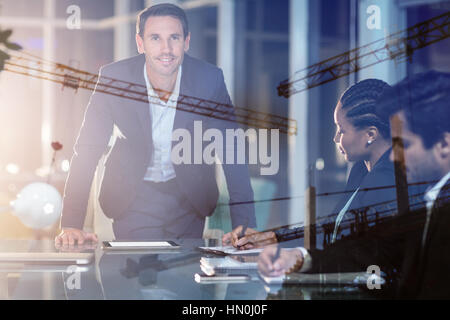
[
  {"x": 307, "y": 260},
  {"x": 272, "y": 236},
  {"x": 298, "y": 262}
]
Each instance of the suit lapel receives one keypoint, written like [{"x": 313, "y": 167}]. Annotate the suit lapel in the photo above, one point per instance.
[
  {"x": 356, "y": 176},
  {"x": 182, "y": 118},
  {"x": 443, "y": 197},
  {"x": 142, "y": 109},
  {"x": 436, "y": 212},
  {"x": 186, "y": 90},
  {"x": 437, "y": 234}
]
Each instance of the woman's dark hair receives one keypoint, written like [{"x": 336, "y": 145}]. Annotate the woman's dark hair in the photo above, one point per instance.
[
  {"x": 162, "y": 10},
  {"x": 360, "y": 103}
]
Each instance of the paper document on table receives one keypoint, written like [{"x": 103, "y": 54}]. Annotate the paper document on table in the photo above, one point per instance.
[
  {"x": 227, "y": 263},
  {"x": 229, "y": 250}
]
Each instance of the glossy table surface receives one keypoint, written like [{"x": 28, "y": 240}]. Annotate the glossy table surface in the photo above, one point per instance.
[{"x": 142, "y": 275}]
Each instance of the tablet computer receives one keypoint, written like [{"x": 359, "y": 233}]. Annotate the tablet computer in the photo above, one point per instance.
[{"x": 139, "y": 245}]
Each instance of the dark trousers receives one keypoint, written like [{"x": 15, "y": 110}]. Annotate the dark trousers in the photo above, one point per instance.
[{"x": 160, "y": 211}]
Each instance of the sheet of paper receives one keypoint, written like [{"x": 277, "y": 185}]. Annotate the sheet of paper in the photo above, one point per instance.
[
  {"x": 231, "y": 250},
  {"x": 273, "y": 280},
  {"x": 227, "y": 263}
]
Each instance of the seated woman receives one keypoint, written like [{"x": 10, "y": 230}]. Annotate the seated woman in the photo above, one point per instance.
[{"x": 363, "y": 137}]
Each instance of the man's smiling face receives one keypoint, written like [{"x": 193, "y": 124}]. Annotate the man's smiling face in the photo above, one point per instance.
[{"x": 164, "y": 45}]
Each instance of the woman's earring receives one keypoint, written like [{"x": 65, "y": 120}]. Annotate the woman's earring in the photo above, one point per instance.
[{"x": 369, "y": 142}]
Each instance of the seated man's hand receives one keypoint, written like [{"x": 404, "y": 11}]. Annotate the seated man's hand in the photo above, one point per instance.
[
  {"x": 255, "y": 239},
  {"x": 286, "y": 260},
  {"x": 72, "y": 236},
  {"x": 231, "y": 238}
]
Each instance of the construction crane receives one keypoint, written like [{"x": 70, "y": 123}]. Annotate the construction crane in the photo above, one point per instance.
[
  {"x": 33, "y": 66},
  {"x": 400, "y": 45},
  {"x": 358, "y": 220},
  {"x": 4, "y": 36}
]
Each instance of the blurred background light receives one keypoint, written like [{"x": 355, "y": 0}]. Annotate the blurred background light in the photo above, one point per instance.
[
  {"x": 12, "y": 168},
  {"x": 320, "y": 164},
  {"x": 43, "y": 171},
  {"x": 38, "y": 205},
  {"x": 65, "y": 165}
]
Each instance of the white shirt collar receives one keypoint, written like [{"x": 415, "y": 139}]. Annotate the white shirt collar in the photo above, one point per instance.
[
  {"x": 432, "y": 194},
  {"x": 152, "y": 94}
]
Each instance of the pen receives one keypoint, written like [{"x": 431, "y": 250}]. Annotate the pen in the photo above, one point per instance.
[
  {"x": 277, "y": 254},
  {"x": 244, "y": 228}
]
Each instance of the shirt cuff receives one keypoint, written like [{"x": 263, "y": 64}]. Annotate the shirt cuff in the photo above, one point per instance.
[{"x": 307, "y": 260}]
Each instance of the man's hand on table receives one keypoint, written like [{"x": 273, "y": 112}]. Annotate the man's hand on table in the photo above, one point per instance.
[{"x": 71, "y": 237}]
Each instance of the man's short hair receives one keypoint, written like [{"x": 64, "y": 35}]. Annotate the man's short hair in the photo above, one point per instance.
[
  {"x": 162, "y": 10},
  {"x": 425, "y": 100}
]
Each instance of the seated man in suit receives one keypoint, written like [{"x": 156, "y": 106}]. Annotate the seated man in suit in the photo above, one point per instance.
[
  {"x": 144, "y": 191},
  {"x": 413, "y": 248}
]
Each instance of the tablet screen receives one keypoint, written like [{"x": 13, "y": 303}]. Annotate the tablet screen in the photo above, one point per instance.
[{"x": 149, "y": 244}]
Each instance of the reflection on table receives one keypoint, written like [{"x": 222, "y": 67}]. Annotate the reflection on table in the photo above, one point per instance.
[{"x": 144, "y": 275}]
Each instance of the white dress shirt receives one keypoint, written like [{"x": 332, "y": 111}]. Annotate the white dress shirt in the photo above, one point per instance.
[
  {"x": 430, "y": 197},
  {"x": 163, "y": 115},
  {"x": 307, "y": 261},
  {"x": 341, "y": 214}
]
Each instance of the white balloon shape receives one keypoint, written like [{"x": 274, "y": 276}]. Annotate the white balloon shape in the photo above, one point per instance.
[{"x": 38, "y": 205}]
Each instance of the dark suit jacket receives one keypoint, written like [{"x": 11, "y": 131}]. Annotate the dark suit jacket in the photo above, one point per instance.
[
  {"x": 425, "y": 271},
  {"x": 130, "y": 156},
  {"x": 395, "y": 245},
  {"x": 375, "y": 187},
  {"x": 371, "y": 191}
]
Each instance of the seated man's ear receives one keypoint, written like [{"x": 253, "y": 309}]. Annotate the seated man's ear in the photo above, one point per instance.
[
  {"x": 186, "y": 42},
  {"x": 444, "y": 146},
  {"x": 441, "y": 151}
]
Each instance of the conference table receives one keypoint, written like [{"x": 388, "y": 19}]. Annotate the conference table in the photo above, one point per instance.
[{"x": 167, "y": 275}]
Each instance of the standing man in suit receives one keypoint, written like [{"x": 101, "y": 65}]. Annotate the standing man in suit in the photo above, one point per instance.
[
  {"x": 143, "y": 191},
  {"x": 415, "y": 246}
]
